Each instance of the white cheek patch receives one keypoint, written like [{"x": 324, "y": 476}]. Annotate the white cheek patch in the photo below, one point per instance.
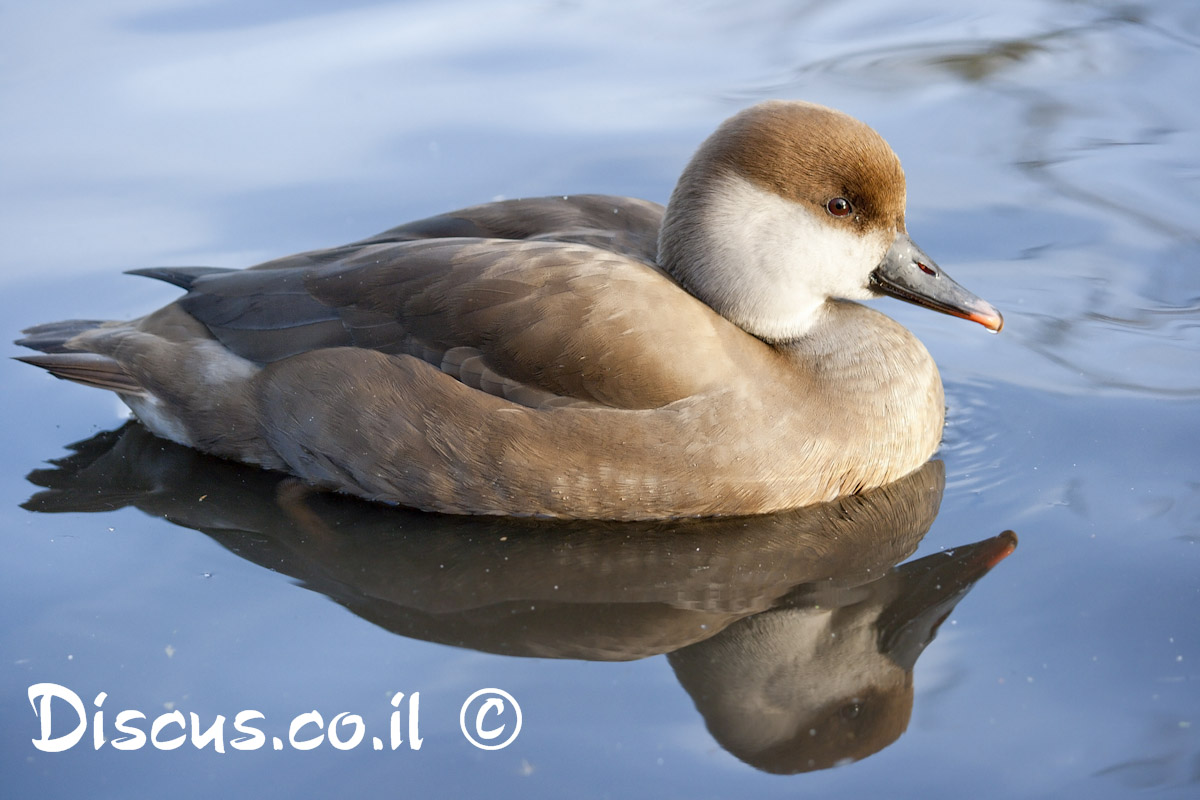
[{"x": 770, "y": 263}]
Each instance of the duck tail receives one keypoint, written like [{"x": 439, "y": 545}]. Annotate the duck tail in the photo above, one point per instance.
[
  {"x": 90, "y": 369},
  {"x": 52, "y": 337},
  {"x": 61, "y": 361}
]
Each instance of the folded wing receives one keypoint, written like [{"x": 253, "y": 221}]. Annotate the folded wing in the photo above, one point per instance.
[{"x": 553, "y": 315}]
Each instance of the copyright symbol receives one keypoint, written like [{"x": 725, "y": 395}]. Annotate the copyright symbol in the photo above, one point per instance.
[{"x": 487, "y": 715}]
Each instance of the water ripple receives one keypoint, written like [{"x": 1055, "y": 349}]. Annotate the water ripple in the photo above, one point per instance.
[{"x": 977, "y": 445}]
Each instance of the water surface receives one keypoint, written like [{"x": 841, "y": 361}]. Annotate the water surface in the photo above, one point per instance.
[{"x": 1053, "y": 160}]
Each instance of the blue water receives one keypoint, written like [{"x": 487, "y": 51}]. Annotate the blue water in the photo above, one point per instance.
[{"x": 1053, "y": 161}]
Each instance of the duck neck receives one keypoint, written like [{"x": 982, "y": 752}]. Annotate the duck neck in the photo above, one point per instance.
[{"x": 720, "y": 244}]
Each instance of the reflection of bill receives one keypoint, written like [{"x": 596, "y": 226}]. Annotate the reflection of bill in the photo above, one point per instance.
[
  {"x": 483, "y": 719},
  {"x": 794, "y": 633}
]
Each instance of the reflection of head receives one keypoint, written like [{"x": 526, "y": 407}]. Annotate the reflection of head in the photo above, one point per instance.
[
  {"x": 846, "y": 730},
  {"x": 826, "y": 677},
  {"x": 789, "y": 691}
]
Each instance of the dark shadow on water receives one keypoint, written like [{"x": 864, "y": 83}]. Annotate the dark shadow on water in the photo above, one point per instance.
[{"x": 795, "y": 634}]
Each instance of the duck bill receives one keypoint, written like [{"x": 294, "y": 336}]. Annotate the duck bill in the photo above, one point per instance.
[{"x": 908, "y": 274}]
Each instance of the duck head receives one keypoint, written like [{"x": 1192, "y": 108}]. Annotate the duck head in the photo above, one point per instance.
[{"x": 790, "y": 204}]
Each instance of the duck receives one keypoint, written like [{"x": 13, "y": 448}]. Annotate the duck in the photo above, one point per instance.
[{"x": 585, "y": 357}]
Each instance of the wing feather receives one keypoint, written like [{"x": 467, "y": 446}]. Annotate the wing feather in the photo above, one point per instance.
[{"x": 562, "y": 310}]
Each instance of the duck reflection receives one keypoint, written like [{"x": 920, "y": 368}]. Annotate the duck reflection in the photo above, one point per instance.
[{"x": 795, "y": 634}]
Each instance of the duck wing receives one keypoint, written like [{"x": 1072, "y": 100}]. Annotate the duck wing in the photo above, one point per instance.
[
  {"x": 535, "y": 321},
  {"x": 622, "y": 225}
]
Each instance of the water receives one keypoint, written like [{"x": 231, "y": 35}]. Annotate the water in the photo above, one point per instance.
[{"x": 1051, "y": 152}]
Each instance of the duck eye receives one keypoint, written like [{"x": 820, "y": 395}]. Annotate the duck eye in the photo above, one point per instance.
[{"x": 838, "y": 207}]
